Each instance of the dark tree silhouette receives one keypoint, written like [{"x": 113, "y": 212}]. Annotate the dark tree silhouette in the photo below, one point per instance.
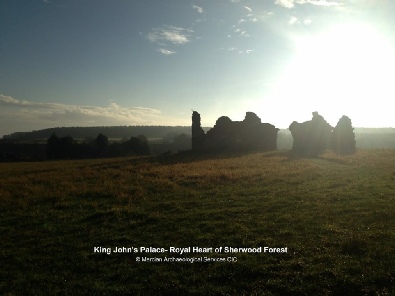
[
  {"x": 137, "y": 145},
  {"x": 101, "y": 143},
  {"x": 143, "y": 145},
  {"x": 60, "y": 147},
  {"x": 343, "y": 137},
  {"x": 53, "y": 146}
]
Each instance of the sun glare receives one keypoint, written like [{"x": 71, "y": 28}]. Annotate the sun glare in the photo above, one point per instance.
[{"x": 346, "y": 70}]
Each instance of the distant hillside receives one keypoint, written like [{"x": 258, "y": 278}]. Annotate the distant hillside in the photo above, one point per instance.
[
  {"x": 92, "y": 132},
  {"x": 375, "y": 137},
  {"x": 365, "y": 137}
]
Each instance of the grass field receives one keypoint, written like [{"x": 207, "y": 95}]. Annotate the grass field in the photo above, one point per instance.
[{"x": 334, "y": 214}]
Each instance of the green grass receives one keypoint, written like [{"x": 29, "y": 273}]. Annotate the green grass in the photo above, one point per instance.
[{"x": 334, "y": 213}]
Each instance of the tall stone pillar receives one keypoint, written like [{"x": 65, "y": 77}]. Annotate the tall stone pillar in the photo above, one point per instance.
[{"x": 198, "y": 135}]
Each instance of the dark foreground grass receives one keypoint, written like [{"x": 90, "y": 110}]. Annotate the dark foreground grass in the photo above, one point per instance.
[{"x": 334, "y": 214}]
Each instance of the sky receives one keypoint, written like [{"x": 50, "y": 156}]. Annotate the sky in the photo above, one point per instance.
[{"x": 151, "y": 62}]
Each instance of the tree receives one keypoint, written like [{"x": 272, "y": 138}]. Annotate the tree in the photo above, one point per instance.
[
  {"x": 138, "y": 145},
  {"x": 53, "y": 146},
  {"x": 144, "y": 145},
  {"x": 101, "y": 142},
  {"x": 60, "y": 147}
]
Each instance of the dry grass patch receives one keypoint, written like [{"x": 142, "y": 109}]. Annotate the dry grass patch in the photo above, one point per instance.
[{"x": 334, "y": 213}]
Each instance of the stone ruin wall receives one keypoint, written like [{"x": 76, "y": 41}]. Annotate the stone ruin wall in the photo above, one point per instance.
[
  {"x": 227, "y": 135},
  {"x": 310, "y": 138},
  {"x": 313, "y": 137}
]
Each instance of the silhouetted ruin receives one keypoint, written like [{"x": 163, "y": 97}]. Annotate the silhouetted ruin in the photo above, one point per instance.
[
  {"x": 227, "y": 135},
  {"x": 343, "y": 137},
  {"x": 313, "y": 137},
  {"x": 198, "y": 135}
]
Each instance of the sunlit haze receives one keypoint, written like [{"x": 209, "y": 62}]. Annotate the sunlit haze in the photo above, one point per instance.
[{"x": 99, "y": 63}]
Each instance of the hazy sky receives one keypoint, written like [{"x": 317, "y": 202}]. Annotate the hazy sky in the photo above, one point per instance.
[{"x": 149, "y": 62}]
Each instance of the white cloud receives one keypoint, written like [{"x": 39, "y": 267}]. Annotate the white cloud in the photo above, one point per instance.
[
  {"x": 319, "y": 2},
  {"x": 239, "y": 27},
  {"x": 285, "y": 3},
  {"x": 55, "y": 108},
  {"x": 21, "y": 115},
  {"x": 236, "y": 50},
  {"x": 244, "y": 34},
  {"x": 262, "y": 17},
  {"x": 248, "y": 8},
  {"x": 241, "y": 33},
  {"x": 172, "y": 34},
  {"x": 198, "y": 8},
  {"x": 166, "y": 51},
  {"x": 293, "y": 20},
  {"x": 307, "y": 22},
  {"x": 291, "y": 3},
  {"x": 11, "y": 102}
]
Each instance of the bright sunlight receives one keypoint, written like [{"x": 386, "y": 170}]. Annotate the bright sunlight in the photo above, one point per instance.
[{"x": 346, "y": 70}]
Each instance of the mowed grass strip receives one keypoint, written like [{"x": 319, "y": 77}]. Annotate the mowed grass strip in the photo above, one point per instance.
[{"x": 333, "y": 213}]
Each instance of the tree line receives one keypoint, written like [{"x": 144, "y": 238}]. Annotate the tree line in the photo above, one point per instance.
[
  {"x": 67, "y": 147},
  {"x": 91, "y": 132}
]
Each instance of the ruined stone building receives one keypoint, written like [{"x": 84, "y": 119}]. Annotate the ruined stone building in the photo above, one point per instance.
[
  {"x": 343, "y": 137},
  {"x": 313, "y": 137},
  {"x": 227, "y": 135}
]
